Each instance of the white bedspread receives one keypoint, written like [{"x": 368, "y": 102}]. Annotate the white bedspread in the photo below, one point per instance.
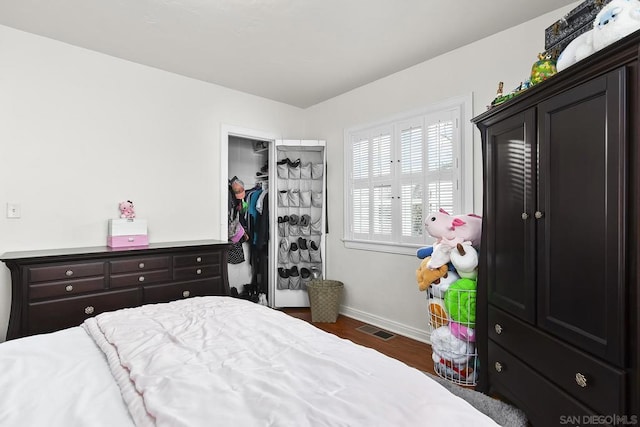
[
  {"x": 58, "y": 380},
  {"x": 227, "y": 362}
]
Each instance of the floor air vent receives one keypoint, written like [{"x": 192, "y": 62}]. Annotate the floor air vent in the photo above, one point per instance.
[{"x": 376, "y": 332}]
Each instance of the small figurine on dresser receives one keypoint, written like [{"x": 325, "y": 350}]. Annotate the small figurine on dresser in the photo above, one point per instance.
[
  {"x": 127, "y": 231},
  {"x": 126, "y": 209}
]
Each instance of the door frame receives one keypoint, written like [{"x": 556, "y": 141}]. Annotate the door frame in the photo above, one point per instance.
[{"x": 225, "y": 132}]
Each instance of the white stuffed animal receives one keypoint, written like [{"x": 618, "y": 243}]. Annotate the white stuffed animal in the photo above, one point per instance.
[
  {"x": 616, "y": 20},
  {"x": 441, "y": 255},
  {"x": 464, "y": 258}
]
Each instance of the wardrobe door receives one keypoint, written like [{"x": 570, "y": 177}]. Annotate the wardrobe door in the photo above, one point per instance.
[
  {"x": 509, "y": 200},
  {"x": 582, "y": 224}
]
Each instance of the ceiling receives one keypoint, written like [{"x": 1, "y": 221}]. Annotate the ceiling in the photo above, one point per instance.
[{"x": 299, "y": 52}]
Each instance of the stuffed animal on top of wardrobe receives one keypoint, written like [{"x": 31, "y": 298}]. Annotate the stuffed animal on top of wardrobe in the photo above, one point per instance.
[{"x": 616, "y": 20}]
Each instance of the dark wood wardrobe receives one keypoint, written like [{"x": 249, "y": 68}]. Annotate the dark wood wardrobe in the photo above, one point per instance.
[{"x": 558, "y": 293}]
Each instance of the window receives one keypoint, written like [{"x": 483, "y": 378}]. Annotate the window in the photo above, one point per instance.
[{"x": 399, "y": 170}]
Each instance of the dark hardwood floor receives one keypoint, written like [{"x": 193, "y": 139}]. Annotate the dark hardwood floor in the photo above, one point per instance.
[{"x": 414, "y": 353}]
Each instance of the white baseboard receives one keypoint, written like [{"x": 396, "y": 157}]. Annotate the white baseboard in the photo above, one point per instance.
[{"x": 389, "y": 325}]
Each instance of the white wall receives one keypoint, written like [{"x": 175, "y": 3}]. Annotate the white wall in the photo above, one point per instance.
[
  {"x": 81, "y": 131},
  {"x": 379, "y": 287}
]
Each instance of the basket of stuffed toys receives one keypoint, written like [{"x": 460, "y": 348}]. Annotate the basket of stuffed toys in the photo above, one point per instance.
[{"x": 448, "y": 273}]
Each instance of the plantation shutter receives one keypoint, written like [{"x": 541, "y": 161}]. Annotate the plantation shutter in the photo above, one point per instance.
[
  {"x": 396, "y": 172},
  {"x": 360, "y": 202},
  {"x": 441, "y": 133},
  {"x": 371, "y": 174},
  {"x": 411, "y": 180}
]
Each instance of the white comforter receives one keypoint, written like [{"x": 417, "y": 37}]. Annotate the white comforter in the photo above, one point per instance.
[
  {"x": 227, "y": 362},
  {"x": 236, "y": 364}
]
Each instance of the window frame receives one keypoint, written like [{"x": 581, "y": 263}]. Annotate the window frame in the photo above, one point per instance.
[{"x": 462, "y": 173}]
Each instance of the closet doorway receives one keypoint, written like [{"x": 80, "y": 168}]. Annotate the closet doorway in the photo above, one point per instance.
[{"x": 246, "y": 156}]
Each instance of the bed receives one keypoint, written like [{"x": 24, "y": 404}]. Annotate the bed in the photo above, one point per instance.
[{"x": 214, "y": 361}]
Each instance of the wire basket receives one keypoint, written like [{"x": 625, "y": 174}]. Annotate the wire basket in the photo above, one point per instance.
[
  {"x": 452, "y": 319},
  {"x": 324, "y": 299}
]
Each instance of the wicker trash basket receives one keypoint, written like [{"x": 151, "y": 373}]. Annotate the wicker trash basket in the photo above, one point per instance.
[{"x": 324, "y": 299}]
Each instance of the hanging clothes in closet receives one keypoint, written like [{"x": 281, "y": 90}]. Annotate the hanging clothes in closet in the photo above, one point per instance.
[{"x": 251, "y": 210}]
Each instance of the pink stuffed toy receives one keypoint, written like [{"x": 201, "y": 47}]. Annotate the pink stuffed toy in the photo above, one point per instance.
[
  {"x": 126, "y": 210},
  {"x": 454, "y": 229}
]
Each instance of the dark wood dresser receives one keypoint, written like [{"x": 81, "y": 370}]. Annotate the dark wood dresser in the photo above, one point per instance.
[
  {"x": 558, "y": 299},
  {"x": 56, "y": 289}
]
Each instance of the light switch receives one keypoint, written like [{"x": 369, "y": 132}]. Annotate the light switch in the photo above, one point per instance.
[{"x": 13, "y": 210}]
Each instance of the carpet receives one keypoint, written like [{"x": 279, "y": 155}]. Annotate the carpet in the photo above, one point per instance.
[{"x": 501, "y": 412}]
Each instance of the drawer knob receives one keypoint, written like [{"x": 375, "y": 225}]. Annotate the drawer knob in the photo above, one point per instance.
[
  {"x": 199, "y": 259},
  {"x": 131, "y": 239},
  {"x": 186, "y": 293},
  {"x": 141, "y": 279},
  {"x": 88, "y": 310},
  {"x": 538, "y": 214},
  {"x": 199, "y": 271},
  {"x": 141, "y": 265},
  {"x": 498, "y": 366},
  {"x": 68, "y": 288},
  {"x": 525, "y": 215},
  {"x": 581, "y": 380},
  {"x": 498, "y": 328},
  {"x": 69, "y": 273}
]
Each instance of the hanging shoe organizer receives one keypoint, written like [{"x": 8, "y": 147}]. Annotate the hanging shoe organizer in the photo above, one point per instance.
[{"x": 300, "y": 216}]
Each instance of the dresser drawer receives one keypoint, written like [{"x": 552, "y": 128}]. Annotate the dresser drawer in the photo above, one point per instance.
[
  {"x": 561, "y": 363},
  {"x": 174, "y": 291},
  {"x": 64, "y": 271},
  {"x": 135, "y": 279},
  {"x": 196, "y": 272},
  {"x": 47, "y": 316},
  {"x": 196, "y": 259},
  {"x": 528, "y": 390},
  {"x": 65, "y": 287},
  {"x": 131, "y": 265}
]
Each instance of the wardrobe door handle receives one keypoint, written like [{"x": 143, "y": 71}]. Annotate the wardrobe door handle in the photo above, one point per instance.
[
  {"x": 525, "y": 216},
  {"x": 498, "y": 366},
  {"x": 498, "y": 328}
]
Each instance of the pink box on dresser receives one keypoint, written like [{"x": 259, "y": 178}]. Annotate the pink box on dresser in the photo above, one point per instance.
[
  {"x": 128, "y": 241},
  {"x": 125, "y": 233}
]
